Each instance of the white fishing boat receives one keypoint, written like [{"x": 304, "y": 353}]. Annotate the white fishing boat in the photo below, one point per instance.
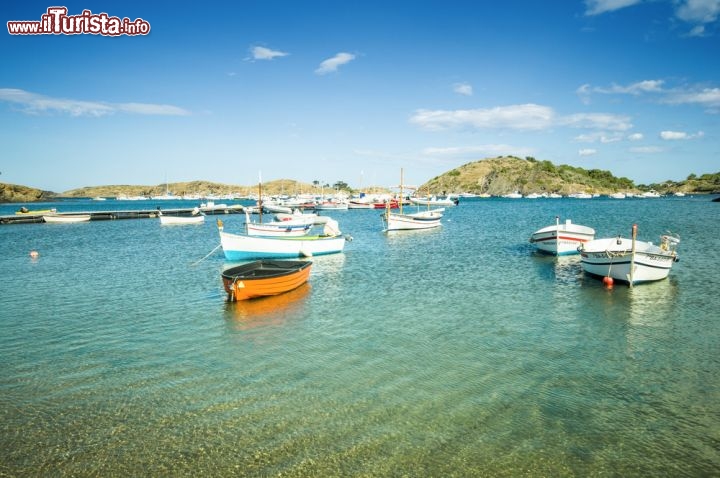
[
  {"x": 435, "y": 201},
  {"x": 417, "y": 220},
  {"x": 302, "y": 217},
  {"x": 562, "y": 239},
  {"x": 420, "y": 220},
  {"x": 196, "y": 217},
  {"x": 276, "y": 208},
  {"x": 237, "y": 247},
  {"x": 332, "y": 206},
  {"x": 66, "y": 218},
  {"x": 629, "y": 260},
  {"x": 276, "y": 228}
]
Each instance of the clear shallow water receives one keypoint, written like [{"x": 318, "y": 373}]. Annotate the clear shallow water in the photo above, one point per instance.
[{"x": 452, "y": 352}]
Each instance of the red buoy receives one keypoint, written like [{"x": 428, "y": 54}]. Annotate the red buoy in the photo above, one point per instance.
[{"x": 608, "y": 281}]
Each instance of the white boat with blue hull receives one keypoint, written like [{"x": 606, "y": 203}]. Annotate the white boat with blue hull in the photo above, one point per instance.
[
  {"x": 629, "y": 260},
  {"x": 237, "y": 247},
  {"x": 562, "y": 239}
]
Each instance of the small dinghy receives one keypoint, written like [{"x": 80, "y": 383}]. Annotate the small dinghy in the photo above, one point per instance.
[{"x": 264, "y": 278}]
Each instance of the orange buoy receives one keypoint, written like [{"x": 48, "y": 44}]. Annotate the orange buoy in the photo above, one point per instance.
[
  {"x": 34, "y": 254},
  {"x": 608, "y": 281}
]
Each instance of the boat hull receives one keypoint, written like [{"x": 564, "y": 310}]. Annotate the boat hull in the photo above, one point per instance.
[
  {"x": 70, "y": 218},
  {"x": 264, "y": 278},
  {"x": 180, "y": 220},
  {"x": 405, "y": 222},
  {"x": 240, "y": 248},
  {"x": 614, "y": 258},
  {"x": 434, "y": 202},
  {"x": 562, "y": 239},
  {"x": 279, "y": 229}
]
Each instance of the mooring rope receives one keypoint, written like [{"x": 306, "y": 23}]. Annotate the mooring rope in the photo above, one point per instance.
[{"x": 208, "y": 255}]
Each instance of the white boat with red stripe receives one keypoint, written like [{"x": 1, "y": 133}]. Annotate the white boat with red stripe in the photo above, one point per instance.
[{"x": 562, "y": 239}]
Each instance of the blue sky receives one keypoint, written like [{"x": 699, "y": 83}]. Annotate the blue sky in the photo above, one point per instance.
[{"x": 355, "y": 90}]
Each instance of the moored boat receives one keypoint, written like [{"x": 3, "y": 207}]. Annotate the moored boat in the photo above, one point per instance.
[
  {"x": 65, "y": 218},
  {"x": 403, "y": 222},
  {"x": 276, "y": 228},
  {"x": 37, "y": 212},
  {"x": 435, "y": 201},
  {"x": 237, "y": 247},
  {"x": 629, "y": 260},
  {"x": 196, "y": 217},
  {"x": 301, "y": 217},
  {"x": 562, "y": 239},
  {"x": 332, "y": 206},
  {"x": 417, "y": 220},
  {"x": 264, "y": 278}
]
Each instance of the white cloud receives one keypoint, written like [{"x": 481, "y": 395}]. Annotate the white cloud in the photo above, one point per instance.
[
  {"x": 602, "y": 121},
  {"x": 685, "y": 94},
  {"x": 708, "y": 97},
  {"x": 463, "y": 89},
  {"x": 697, "y": 31},
  {"x": 262, "y": 53},
  {"x": 332, "y": 64},
  {"x": 480, "y": 150},
  {"x": 597, "y": 7},
  {"x": 698, "y": 11},
  {"x": 676, "y": 135},
  {"x": 522, "y": 117},
  {"x": 33, "y": 103},
  {"x": 605, "y": 137},
  {"x": 646, "y": 150},
  {"x": 635, "y": 89},
  {"x": 587, "y": 152}
]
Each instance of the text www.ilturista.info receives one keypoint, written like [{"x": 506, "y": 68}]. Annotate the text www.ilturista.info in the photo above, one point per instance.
[{"x": 57, "y": 22}]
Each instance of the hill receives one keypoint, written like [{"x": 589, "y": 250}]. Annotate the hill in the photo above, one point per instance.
[
  {"x": 503, "y": 175},
  {"x": 203, "y": 188},
  {"x": 17, "y": 193},
  {"x": 495, "y": 176}
]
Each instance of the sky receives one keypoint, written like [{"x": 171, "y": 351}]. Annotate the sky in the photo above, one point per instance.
[{"x": 355, "y": 91}]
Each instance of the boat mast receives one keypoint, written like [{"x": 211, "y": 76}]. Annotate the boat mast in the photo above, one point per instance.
[
  {"x": 557, "y": 234},
  {"x": 632, "y": 255},
  {"x": 400, "y": 199},
  {"x": 260, "y": 204}
]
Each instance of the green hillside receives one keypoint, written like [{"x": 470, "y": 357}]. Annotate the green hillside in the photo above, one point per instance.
[{"x": 503, "y": 175}]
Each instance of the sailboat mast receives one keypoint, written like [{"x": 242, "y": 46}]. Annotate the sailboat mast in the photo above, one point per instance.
[
  {"x": 557, "y": 234},
  {"x": 400, "y": 205},
  {"x": 260, "y": 202}
]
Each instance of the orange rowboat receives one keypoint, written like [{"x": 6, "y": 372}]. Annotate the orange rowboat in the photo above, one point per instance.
[{"x": 263, "y": 278}]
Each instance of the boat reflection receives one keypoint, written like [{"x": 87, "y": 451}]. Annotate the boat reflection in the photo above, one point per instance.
[
  {"x": 565, "y": 270},
  {"x": 568, "y": 269},
  {"x": 328, "y": 265},
  {"x": 266, "y": 311},
  {"x": 652, "y": 304}
]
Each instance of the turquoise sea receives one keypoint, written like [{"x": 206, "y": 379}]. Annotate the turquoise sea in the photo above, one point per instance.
[{"x": 452, "y": 352}]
